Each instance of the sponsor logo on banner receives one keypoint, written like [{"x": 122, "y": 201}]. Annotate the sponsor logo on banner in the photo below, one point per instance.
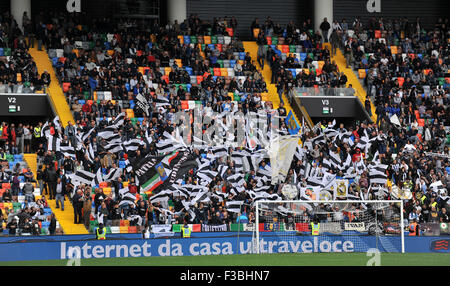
[
  {"x": 440, "y": 245},
  {"x": 357, "y": 226}
]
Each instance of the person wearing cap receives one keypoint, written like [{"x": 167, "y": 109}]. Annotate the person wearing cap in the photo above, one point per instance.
[{"x": 100, "y": 233}]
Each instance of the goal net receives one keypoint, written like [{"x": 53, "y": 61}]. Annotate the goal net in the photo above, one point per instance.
[{"x": 329, "y": 226}]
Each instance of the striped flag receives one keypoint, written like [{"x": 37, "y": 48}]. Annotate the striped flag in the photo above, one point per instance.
[
  {"x": 68, "y": 151},
  {"x": 377, "y": 173},
  {"x": 161, "y": 101},
  {"x": 87, "y": 134},
  {"x": 57, "y": 124},
  {"x": 120, "y": 119},
  {"x": 207, "y": 175},
  {"x": 236, "y": 179},
  {"x": 234, "y": 206},
  {"x": 98, "y": 177},
  {"x": 249, "y": 163},
  {"x": 45, "y": 130},
  {"x": 113, "y": 174},
  {"x": 222, "y": 169},
  {"x": 83, "y": 177},
  {"x": 54, "y": 143},
  {"x": 107, "y": 132},
  {"x": 133, "y": 144},
  {"x": 90, "y": 153},
  {"x": 113, "y": 147},
  {"x": 126, "y": 197}
]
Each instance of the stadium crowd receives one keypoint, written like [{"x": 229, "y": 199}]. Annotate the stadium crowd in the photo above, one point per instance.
[
  {"x": 18, "y": 71},
  {"x": 356, "y": 152}
]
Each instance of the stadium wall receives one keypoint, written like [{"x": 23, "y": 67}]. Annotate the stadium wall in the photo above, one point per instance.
[
  {"x": 245, "y": 12},
  {"x": 428, "y": 11},
  {"x": 220, "y": 245}
]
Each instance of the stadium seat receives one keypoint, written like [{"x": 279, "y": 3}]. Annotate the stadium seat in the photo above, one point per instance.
[{"x": 362, "y": 73}]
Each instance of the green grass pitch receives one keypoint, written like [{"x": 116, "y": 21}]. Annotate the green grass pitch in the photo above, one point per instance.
[{"x": 285, "y": 259}]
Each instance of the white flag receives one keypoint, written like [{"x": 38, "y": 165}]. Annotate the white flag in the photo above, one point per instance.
[{"x": 281, "y": 152}]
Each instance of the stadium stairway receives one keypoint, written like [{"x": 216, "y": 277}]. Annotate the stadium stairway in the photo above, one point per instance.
[
  {"x": 272, "y": 95},
  {"x": 65, "y": 218},
  {"x": 31, "y": 159},
  {"x": 55, "y": 91},
  {"x": 352, "y": 79}
]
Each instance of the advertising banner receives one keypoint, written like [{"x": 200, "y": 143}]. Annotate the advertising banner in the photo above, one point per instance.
[
  {"x": 269, "y": 243},
  {"x": 430, "y": 229},
  {"x": 357, "y": 226}
]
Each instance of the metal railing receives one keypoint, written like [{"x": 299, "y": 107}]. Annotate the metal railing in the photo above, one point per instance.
[{"x": 325, "y": 91}]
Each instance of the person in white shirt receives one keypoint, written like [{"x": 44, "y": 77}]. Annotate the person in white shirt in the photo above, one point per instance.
[{"x": 59, "y": 194}]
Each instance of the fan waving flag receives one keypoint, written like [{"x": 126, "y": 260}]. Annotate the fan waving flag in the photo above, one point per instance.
[{"x": 292, "y": 123}]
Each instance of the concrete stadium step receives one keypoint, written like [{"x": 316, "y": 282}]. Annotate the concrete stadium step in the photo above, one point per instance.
[
  {"x": 31, "y": 160},
  {"x": 352, "y": 79},
  {"x": 272, "y": 95},
  {"x": 66, "y": 217},
  {"x": 55, "y": 92}
]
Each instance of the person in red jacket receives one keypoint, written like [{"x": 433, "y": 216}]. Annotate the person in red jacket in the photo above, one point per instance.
[
  {"x": 12, "y": 135},
  {"x": 132, "y": 186},
  {"x": 86, "y": 107},
  {"x": 357, "y": 154}
]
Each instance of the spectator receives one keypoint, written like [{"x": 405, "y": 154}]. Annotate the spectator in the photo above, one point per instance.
[{"x": 325, "y": 27}]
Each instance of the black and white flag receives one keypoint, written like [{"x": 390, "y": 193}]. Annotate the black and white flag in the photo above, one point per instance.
[
  {"x": 234, "y": 206},
  {"x": 54, "y": 143},
  {"x": 126, "y": 197},
  {"x": 133, "y": 144},
  {"x": 84, "y": 177},
  {"x": 68, "y": 151},
  {"x": 112, "y": 175},
  {"x": 98, "y": 177}
]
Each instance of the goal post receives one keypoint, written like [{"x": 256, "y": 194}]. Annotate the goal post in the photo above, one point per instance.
[{"x": 341, "y": 226}]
